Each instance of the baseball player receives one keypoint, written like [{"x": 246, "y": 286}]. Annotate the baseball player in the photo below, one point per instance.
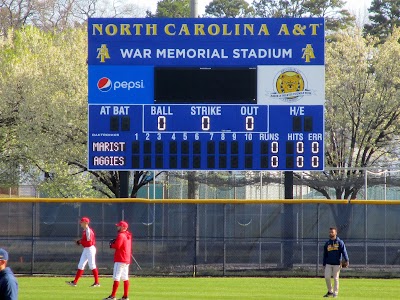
[
  {"x": 88, "y": 242},
  {"x": 8, "y": 283},
  {"x": 122, "y": 258},
  {"x": 335, "y": 257}
]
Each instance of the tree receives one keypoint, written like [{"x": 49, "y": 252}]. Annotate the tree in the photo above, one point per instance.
[
  {"x": 9, "y": 175},
  {"x": 228, "y": 9},
  {"x": 362, "y": 114},
  {"x": 60, "y": 14},
  {"x": 9, "y": 169},
  {"x": 41, "y": 83},
  {"x": 108, "y": 183},
  {"x": 14, "y": 14},
  {"x": 332, "y": 10},
  {"x": 362, "y": 106},
  {"x": 383, "y": 17},
  {"x": 279, "y": 8},
  {"x": 171, "y": 9},
  {"x": 43, "y": 115}
]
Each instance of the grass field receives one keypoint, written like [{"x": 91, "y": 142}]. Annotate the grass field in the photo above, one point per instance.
[{"x": 151, "y": 288}]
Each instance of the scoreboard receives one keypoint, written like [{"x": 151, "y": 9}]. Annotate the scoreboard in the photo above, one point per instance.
[{"x": 206, "y": 94}]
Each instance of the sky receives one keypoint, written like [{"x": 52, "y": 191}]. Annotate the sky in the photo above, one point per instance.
[{"x": 357, "y": 7}]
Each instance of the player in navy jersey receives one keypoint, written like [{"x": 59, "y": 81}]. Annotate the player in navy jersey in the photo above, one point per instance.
[
  {"x": 335, "y": 254},
  {"x": 8, "y": 283}
]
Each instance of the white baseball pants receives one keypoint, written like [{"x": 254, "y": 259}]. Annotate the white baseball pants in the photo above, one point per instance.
[
  {"x": 121, "y": 271},
  {"x": 332, "y": 271},
  {"x": 88, "y": 256}
]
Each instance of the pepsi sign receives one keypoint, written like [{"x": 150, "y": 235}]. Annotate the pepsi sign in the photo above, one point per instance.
[
  {"x": 121, "y": 84},
  {"x": 104, "y": 84}
]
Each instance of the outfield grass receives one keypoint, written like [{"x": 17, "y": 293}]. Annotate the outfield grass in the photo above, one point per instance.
[{"x": 150, "y": 288}]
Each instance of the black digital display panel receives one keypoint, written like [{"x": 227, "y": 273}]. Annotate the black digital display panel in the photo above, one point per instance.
[{"x": 205, "y": 85}]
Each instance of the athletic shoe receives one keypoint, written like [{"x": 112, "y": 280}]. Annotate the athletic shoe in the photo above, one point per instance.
[
  {"x": 335, "y": 296},
  {"x": 328, "y": 294},
  {"x": 71, "y": 283},
  {"x": 95, "y": 285},
  {"x": 124, "y": 298},
  {"x": 110, "y": 298}
]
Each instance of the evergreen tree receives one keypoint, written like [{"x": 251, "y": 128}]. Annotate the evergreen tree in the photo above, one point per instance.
[
  {"x": 332, "y": 10},
  {"x": 171, "y": 9},
  {"x": 229, "y": 9},
  {"x": 384, "y": 16}
]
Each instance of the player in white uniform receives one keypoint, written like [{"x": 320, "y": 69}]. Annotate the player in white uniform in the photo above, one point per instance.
[{"x": 88, "y": 241}]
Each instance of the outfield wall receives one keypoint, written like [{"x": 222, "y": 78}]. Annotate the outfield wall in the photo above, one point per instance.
[{"x": 207, "y": 237}]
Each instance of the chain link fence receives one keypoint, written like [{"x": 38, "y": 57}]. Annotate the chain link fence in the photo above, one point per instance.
[{"x": 212, "y": 237}]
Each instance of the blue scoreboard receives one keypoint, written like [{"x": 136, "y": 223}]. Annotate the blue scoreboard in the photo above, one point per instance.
[{"x": 206, "y": 94}]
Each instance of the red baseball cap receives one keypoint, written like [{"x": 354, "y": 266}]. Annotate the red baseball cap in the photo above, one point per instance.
[
  {"x": 85, "y": 219},
  {"x": 122, "y": 224}
]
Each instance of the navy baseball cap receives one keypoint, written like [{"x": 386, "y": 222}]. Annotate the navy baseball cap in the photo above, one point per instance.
[{"x": 3, "y": 254}]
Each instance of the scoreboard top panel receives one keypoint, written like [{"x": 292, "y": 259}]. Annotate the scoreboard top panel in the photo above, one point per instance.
[{"x": 206, "y": 42}]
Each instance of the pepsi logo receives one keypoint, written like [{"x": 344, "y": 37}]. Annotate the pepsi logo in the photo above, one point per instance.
[{"x": 104, "y": 84}]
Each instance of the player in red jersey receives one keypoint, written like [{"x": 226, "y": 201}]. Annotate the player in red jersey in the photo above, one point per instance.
[
  {"x": 88, "y": 242},
  {"x": 122, "y": 258}
]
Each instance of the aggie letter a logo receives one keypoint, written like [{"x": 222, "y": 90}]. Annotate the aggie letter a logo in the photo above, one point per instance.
[{"x": 104, "y": 84}]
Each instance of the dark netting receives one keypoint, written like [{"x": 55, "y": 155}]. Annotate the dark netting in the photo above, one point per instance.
[
  {"x": 204, "y": 239},
  {"x": 216, "y": 238}
]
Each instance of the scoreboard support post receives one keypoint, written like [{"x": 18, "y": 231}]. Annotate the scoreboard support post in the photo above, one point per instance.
[
  {"x": 288, "y": 184},
  {"x": 288, "y": 222},
  {"x": 124, "y": 184},
  {"x": 123, "y": 190}
]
